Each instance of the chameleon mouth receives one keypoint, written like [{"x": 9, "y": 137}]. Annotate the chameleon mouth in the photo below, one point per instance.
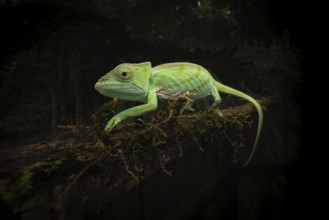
[
  {"x": 103, "y": 89},
  {"x": 98, "y": 86},
  {"x": 114, "y": 90}
]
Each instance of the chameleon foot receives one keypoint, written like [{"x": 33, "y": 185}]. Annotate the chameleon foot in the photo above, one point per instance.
[{"x": 216, "y": 110}]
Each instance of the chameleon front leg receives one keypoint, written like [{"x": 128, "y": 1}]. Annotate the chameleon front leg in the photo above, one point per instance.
[{"x": 152, "y": 104}]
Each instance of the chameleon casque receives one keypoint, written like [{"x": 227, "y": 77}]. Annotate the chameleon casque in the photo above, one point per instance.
[{"x": 140, "y": 82}]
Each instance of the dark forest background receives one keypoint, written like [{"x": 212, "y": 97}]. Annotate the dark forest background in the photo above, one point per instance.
[{"x": 53, "y": 51}]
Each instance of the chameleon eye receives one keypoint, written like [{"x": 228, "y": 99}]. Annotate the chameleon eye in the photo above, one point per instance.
[
  {"x": 125, "y": 75},
  {"x": 123, "y": 72}
]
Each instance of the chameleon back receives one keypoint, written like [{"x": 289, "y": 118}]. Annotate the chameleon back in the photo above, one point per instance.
[{"x": 172, "y": 80}]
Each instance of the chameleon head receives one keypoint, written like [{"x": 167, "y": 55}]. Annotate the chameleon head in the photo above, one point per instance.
[{"x": 127, "y": 81}]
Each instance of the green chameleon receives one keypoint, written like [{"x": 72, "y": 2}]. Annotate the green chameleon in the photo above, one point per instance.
[{"x": 140, "y": 82}]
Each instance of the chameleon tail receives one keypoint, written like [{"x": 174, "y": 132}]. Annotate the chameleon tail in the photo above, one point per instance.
[{"x": 225, "y": 89}]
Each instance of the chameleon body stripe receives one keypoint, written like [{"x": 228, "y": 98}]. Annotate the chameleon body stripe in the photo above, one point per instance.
[{"x": 172, "y": 80}]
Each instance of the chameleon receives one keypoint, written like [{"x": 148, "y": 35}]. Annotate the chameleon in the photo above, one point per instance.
[{"x": 140, "y": 82}]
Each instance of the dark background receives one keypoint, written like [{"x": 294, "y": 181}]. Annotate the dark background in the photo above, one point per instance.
[{"x": 52, "y": 53}]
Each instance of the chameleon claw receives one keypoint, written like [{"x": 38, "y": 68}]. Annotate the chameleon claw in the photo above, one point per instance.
[
  {"x": 188, "y": 108},
  {"x": 109, "y": 126},
  {"x": 107, "y": 129},
  {"x": 216, "y": 110}
]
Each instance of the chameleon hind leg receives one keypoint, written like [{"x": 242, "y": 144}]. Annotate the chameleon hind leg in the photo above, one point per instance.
[
  {"x": 187, "y": 106},
  {"x": 217, "y": 101},
  {"x": 189, "y": 102}
]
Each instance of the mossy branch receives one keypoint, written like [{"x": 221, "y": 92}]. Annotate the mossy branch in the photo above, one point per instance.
[{"x": 129, "y": 154}]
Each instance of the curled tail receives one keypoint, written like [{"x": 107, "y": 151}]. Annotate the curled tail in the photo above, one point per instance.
[{"x": 225, "y": 89}]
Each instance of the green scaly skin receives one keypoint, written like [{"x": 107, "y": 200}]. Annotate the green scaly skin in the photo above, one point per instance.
[{"x": 140, "y": 82}]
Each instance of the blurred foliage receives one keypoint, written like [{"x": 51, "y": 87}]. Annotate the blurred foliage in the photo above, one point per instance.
[{"x": 58, "y": 50}]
